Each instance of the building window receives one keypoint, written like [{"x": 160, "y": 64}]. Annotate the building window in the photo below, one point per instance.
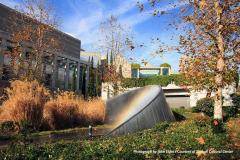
[
  {"x": 165, "y": 71},
  {"x": 61, "y": 73},
  {"x": 47, "y": 70},
  {"x": 148, "y": 72},
  {"x": 72, "y": 76},
  {"x": 82, "y": 79},
  {"x": 134, "y": 73},
  {"x": 7, "y": 58}
]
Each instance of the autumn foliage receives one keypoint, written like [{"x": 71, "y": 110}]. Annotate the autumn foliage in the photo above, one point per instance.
[
  {"x": 67, "y": 110},
  {"x": 25, "y": 102},
  {"x": 30, "y": 101}
]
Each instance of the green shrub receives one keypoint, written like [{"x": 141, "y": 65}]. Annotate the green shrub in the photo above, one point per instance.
[
  {"x": 229, "y": 111},
  {"x": 165, "y": 65},
  {"x": 182, "y": 136},
  {"x": 178, "y": 79},
  {"x": 236, "y": 101},
  {"x": 196, "y": 109},
  {"x": 205, "y": 105},
  {"x": 7, "y": 126},
  {"x": 161, "y": 126},
  {"x": 217, "y": 126}
]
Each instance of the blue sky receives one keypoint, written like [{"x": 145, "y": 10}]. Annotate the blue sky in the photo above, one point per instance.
[{"x": 81, "y": 19}]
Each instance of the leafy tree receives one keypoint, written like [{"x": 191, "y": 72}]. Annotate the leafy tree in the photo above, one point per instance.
[
  {"x": 114, "y": 40},
  {"x": 212, "y": 47},
  {"x": 210, "y": 44}
]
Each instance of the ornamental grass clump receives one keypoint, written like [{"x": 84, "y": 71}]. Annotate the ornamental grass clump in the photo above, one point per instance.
[
  {"x": 94, "y": 110},
  {"x": 68, "y": 110},
  {"x": 30, "y": 102},
  {"x": 25, "y": 102},
  {"x": 62, "y": 112}
]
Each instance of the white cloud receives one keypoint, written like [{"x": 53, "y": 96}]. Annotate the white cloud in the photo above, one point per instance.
[
  {"x": 124, "y": 7},
  {"x": 9, "y": 3},
  {"x": 86, "y": 28}
]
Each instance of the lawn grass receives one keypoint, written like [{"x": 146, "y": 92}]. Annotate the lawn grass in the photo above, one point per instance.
[{"x": 193, "y": 134}]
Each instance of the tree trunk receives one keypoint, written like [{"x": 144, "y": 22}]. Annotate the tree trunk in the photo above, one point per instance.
[
  {"x": 220, "y": 62},
  {"x": 209, "y": 92},
  {"x": 218, "y": 104}
]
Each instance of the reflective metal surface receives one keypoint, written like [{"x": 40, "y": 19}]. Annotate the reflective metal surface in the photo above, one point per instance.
[{"x": 136, "y": 110}]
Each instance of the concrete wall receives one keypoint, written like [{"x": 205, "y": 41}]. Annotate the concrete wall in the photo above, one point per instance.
[
  {"x": 177, "y": 98},
  {"x": 176, "y": 102},
  {"x": 9, "y": 24}
]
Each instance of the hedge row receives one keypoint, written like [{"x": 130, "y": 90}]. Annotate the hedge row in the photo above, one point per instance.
[
  {"x": 206, "y": 105},
  {"x": 162, "y": 80},
  {"x": 190, "y": 135}
]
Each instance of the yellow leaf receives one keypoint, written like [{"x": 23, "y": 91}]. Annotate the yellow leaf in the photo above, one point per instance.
[
  {"x": 200, "y": 153},
  {"x": 120, "y": 148},
  {"x": 202, "y": 4},
  {"x": 200, "y": 140}
]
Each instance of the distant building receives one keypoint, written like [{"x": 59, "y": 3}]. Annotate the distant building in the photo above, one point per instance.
[
  {"x": 149, "y": 70},
  {"x": 121, "y": 63},
  {"x": 86, "y": 56}
]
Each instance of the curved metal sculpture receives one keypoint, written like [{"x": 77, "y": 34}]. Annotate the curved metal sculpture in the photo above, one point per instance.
[{"x": 137, "y": 109}]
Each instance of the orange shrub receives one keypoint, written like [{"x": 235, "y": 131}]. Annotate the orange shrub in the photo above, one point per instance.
[
  {"x": 62, "y": 112},
  {"x": 30, "y": 101},
  {"x": 94, "y": 110},
  {"x": 25, "y": 101},
  {"x": 2, "y": 115},
  {"x": 68, "y": 110}
]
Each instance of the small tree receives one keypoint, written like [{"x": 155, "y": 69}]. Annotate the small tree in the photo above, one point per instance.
[
  {"x": 114, "y": 41},
  {"x": 212, "y": 47},
  {"x": 33, "y": 29}
]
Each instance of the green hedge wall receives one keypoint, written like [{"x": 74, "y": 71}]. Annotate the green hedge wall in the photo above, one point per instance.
[
  {"x": 178, "y": 79},
  {"x": 135, "y": 66},
  {"x": 165, "y": 65}
]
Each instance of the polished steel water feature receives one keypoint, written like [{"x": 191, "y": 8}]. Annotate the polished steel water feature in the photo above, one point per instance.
[{"x": 137, "y": 109}]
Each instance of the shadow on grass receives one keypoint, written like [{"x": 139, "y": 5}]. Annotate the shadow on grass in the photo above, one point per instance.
[{"x": 178, "y": 116}]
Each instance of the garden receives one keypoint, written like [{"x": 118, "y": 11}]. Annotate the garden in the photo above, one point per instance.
[
  {"x": 195, "y": 134},
  {"x": 28, "y": 103}
]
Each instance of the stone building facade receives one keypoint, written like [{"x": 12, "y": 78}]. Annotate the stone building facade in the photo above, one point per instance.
[{"x": 62, "y": 70}]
